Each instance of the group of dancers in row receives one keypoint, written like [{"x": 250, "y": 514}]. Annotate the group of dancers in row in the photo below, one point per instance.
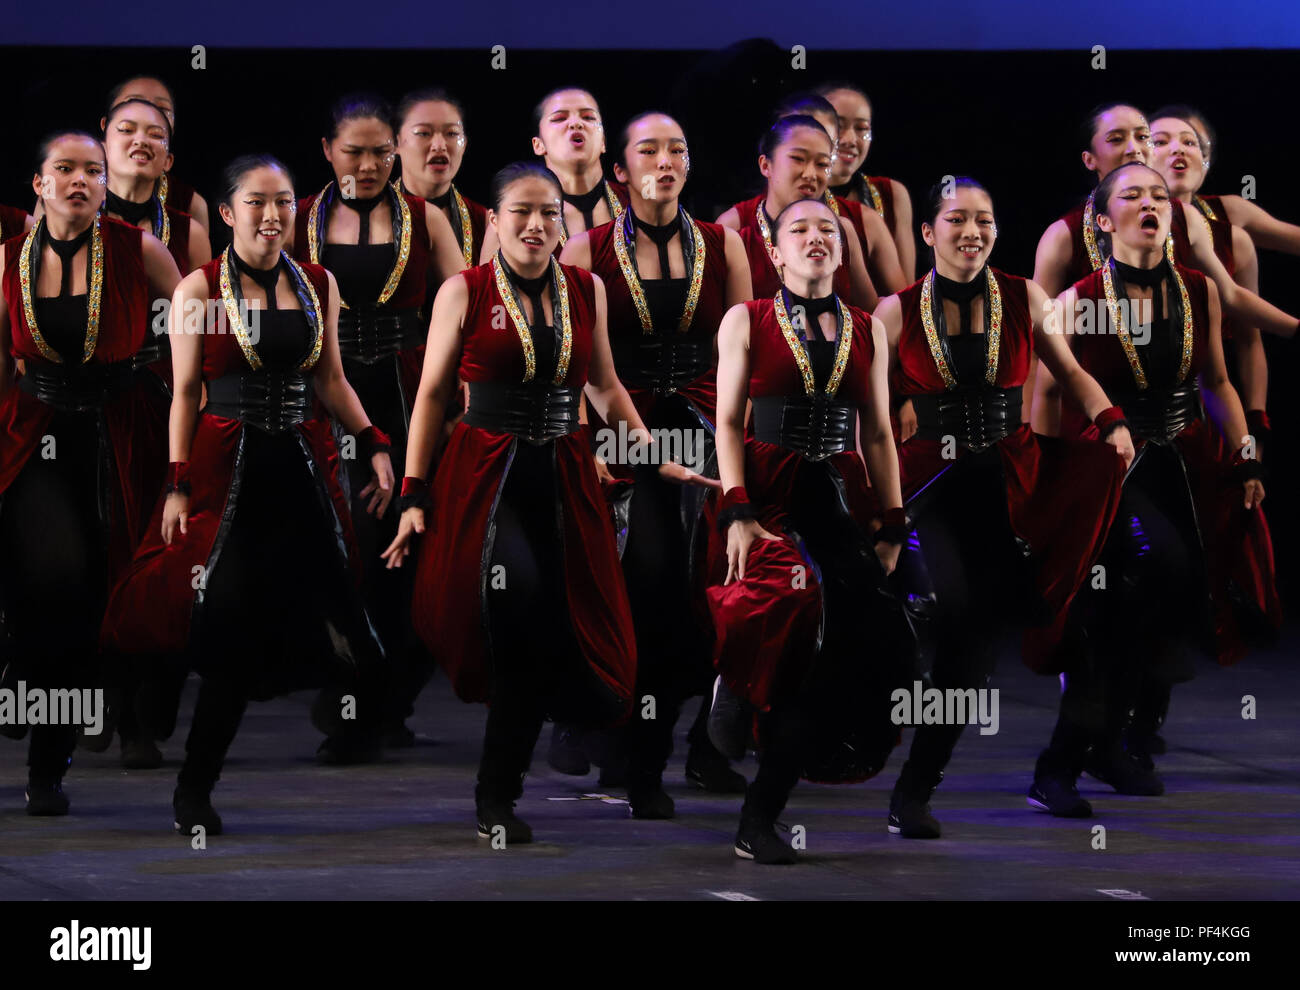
[{"x": 896, "y": 472}]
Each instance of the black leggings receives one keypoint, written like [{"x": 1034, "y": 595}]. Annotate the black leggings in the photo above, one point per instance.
[
  {"x": 386, "y": 592},
  {"x": 537, "y": 666},
  {"x": 864, "y": 654},
  {"x": 981, "y": 583},
  {"x": 277, "y": 588},
  {"x": 53, "y": 574},
  {"x": 1143, "y": 625}
]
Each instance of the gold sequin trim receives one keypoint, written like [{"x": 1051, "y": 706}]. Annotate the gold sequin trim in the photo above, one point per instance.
[
  {"x": 829, "y": 199},
  {"x": 236, "y": 321},
  {"x": 1090, "y": 233},
  {"x": 560, "y": 285},
  {"x": 94, "y": 292},
  {"x": 994, "y": 342},
  {"x": 402, "y": 218},
  {"x": 634, "y": 280},
  {"x": 877, "y": 201},
  {"x": 842, "y": 350}
]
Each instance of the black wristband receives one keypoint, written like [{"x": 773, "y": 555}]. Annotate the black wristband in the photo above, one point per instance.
[
  {"x": 1251, "y": 470},
  {"x": 419, "y": 500},
  {"x": 1112, "y": 426},
  {"x": 891, "y": 533},
  {"x": 735, "y": 513},
  {"x": 180, "y": 487}
]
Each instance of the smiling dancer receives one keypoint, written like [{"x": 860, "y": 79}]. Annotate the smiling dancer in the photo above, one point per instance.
[{"x": 518, "y": 591}]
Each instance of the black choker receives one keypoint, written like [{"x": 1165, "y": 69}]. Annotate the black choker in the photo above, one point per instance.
[
  {"x": 810, "y": 310},
  {"x": 586, "y": 202},
  {"x": 363, "y": 208},
  {"x": 962, "y": 293},
  {"x": 128, "y": 210},
  {"x": 842, "y": 191},
  {"x": 661, "y": 235},
  {"x": 266, "y": 278},
  {"x": 530, "y": 287},
  {"x": 66, "y": 250},
  {"x": 1146, "y": 278},
  {"x": 441, "y": 202}
]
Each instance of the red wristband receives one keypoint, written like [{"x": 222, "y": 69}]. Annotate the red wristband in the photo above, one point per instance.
[
  {"x": 1257, "y": 422},
  {"x": 1108, "y": 420},
  {"x": 178, "y": 478},
  {"x": 372, "y": 440},
  {"x": 733, "y": 497},
  {"x": 894, "y": 517},
  {"x": 414, "y": 486}
]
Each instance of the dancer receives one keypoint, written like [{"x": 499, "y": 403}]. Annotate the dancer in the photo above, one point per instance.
[
  {"x": 175, "y": 193},
  {"x": 1188, "y": 560},
  {"x": 385, "y": 248},
  {"x": 253, "y": 480},
  {"x": 569, "y": 135},
  {"x": 518, "y": 590},
  {"x": 795, "y": 158},
  {"x": 431, "y": 141},
  {"x": 668, "y": 278},
  {"x": 76, "y": 291},
  {"x": 1008, "y": 525},
  {"x": 888, "y": 197},
  {"x": 794, "y": 552}
]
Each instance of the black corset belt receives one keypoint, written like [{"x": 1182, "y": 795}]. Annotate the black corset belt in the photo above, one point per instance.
[
  {"x": 1162, "y": 414},
  {"x": 664, "y": 364},
  {"x": 368, "y": 336},
  {"x": 977, "y": 418},
  {"x": 75, "y": 388},
  {"x": 533, "y": 412},
  {"x": 272, "y": 401},
  {"x": 815, "y": 426}
]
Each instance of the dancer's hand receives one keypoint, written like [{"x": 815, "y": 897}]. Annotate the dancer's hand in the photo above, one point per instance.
[
  {"x": 907, "y": 425},
  {"x": 1122, "y": 441},
  {"x": 380, "y": 488},
  {"x": 412, "y": 522},
  {"x": 740, "y": 535},
  {"x": 176, "y": 514},
  {"x": 1254, "y": 492},
  {"x": 603, "y": 473},
  {"x": 887, "y": 554},
  {"x": 680, "y": 475}
]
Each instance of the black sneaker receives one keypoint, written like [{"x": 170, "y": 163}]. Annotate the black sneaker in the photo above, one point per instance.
[
  {"x": 141, "y": 754},
  {"x": 757, "y": 840},
  {"x": 46, "y": 798},
  {"x": 398, "y": 736},
  {"x": 728, "y": 722},
  {"x": 1124, "y": 773},
  {"x": 348, "y": 749},
  {"x": 566, "y": 754},
  {"x": 650, "y": 803},
  {"x": 502, "y": 813},
  {"x": 1058, "y": 796},
  {"x": 191, "y": 809},
  {"x": 708, "y": 770},
  {"x": 910, "y": 817}
]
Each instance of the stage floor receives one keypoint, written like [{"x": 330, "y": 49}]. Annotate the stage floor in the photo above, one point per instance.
[{"x": 404, "y": 829}]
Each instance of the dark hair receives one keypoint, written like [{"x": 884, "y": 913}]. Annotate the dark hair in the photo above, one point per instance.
[
  {"x": 1106, "y": 187},
  {"x": 513, "y": 173},
  {"x": 935, "y": 198},
  {"x": 539, "y": 111},
  {"x": 1182, "y": 111},
  {"x": 806, "y": 102},
  {"x": 234, "y": 173},
  {"x": 47, "y": 142},
  {"x": 115, "y": 94},
  {"x": 620, "y": 150},
  {"x": 430, "y": 94},
  {"x": 826, "y": 88},
  {"x": 776, "y": 223},
  {"x": 1088, "y": 128},
  {"x": 780, "y": 132},
  {"x": 167, "y": 124},
  {"x": 359, "y": 106}
]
